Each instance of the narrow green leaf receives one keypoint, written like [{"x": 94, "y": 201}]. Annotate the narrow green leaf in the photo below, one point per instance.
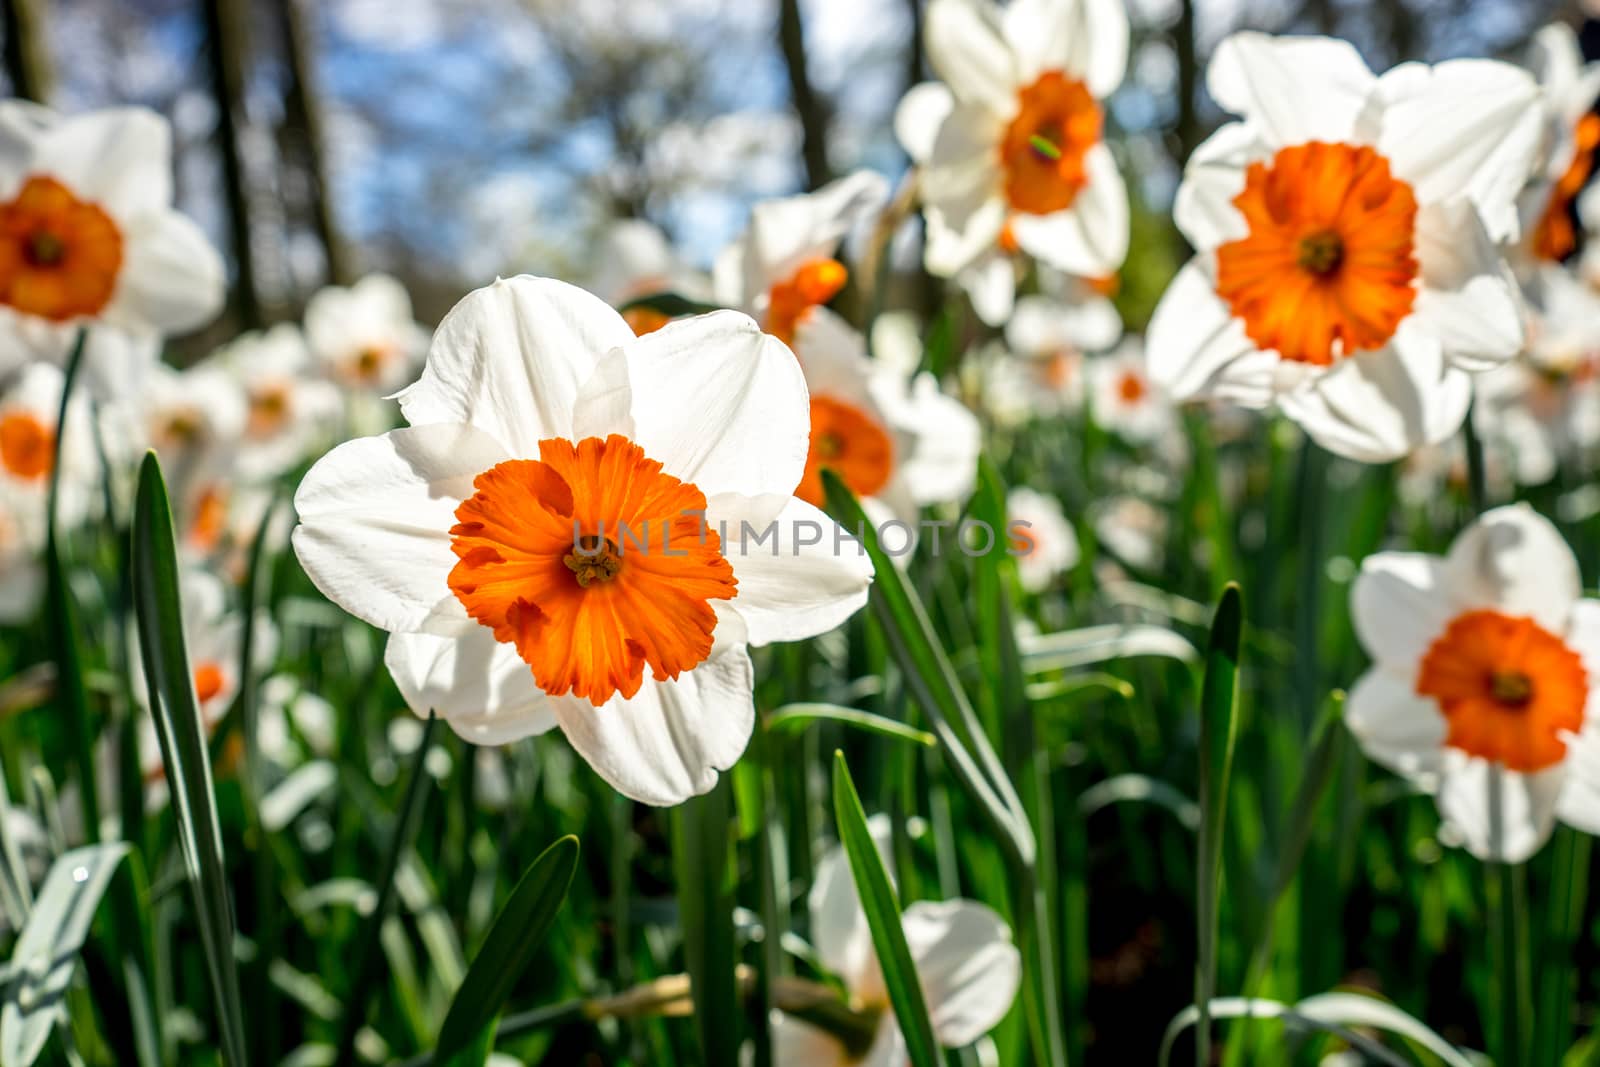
[
  {"x": 882, "y": 907},
  {"x": 1563, "y": 926},
  {"x": 1219, "y": 714},
  {"x": 46, "y": 953},
  {"x": 1342, "y": 1014},
  {"x": 509, "y": 947},
  {"x": 702, "y": 837},
  {"x": 792, "y": 718},
  {"x": 181, "y": 733}
]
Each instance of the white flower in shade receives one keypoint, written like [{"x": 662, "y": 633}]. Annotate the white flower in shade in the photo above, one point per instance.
[
  {"x": 88, "y": 235},
  {"x": 1041, "y": 539},
  {"x": 288, "y": 412},
  {"x": 1010, "y": 146},
  {"x": 1124, "y": 399},
  {"x": 1486, "y": 664},
  {"x": 29, "y": 409},
  {"x": 565, "y": 535},
  {"x": 1133, "y": 530},
  {"x": 890, "y": 433},
  {"x": 965, "y": 962},
  {"x": 1545, "y": 406},
  {"x": 634, "y": 259},
  {"x": 193, "y": 419},
  {"x": 22, "y": 526},
  {"x": 1572, "y": 133},
  {"x": 785, "y": 263},
  {"x": 1346, "y": 228},
  {"x": 364, "y": 337}
]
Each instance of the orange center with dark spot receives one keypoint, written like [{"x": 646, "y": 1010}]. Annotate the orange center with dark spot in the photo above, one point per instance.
[
  {"x": 27, "y": 445},
  {"x": 269, "y": 409},
  {"x": 1328, "y": 267},
  {"x": 593, "y": 563},
  {"x": 789, "y": 301},
  {"x": 1508, "y": 688},
  {"x": 1044, "y": 148},
  {"x": 1131, "y": 388},
  {"x": 850, "y": 442},
  {"x": 1554, "y": 236},
  {"x": 59, "y": 256}
]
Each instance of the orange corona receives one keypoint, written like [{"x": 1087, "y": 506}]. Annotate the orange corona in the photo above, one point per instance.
[
  {"x": 1328, "y": 267},
  {"x": 27, "y": 446},
  {"x": 1044, "y": 149},
  {"x": 1508, "y": 688},
  {"x": 849, "y": 441},
  {"x": 208, "y": 681},
  {"x": 788, "y": 302},
  {"x": 594, "y": 563},
  {"x": 59, "y": 256},
  {"x": 1554, "y": 236}
]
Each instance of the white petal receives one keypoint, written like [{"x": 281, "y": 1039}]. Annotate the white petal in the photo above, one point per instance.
[
  {"x": 1214, "y": 176},
  {"x": 789, "y": 589},
  {"x": 1399, "y": 603},
  {"x": 1467, "y": 127},
  {"x": 1089, "y": 238},
  {"x": 1468, "y": 298},
  {"x": 509, "y": 359},
  {"x": 1195, "y": 346},
  {"x": 1579, "y": 804},
  {"x": 478, "y": 685},
  {"x": 788, "y": 232},
  {"x": 1376, "y": 406},
  {"x": 1583, "y": 635},
  {"x": 968, "y": 968},
  {"x": 967, "y": 48},
  {"x": 604, "y": 405},
  {"x": 171, "y": 279},
  {"x": 375, "y": 518},
  {"x": 721, "y": 404},
  {"x": 940, "y": 461},
  {"x": 918, "y": 118},
  {"x": 120, "y": 158},
  {"x": 1513, "y": 560},
  {"x": 1504, "y": 816},
  {"x": 991, "y": 285},
  {"x": 1294, "y": 89},
  {"x": 960, "y": 186},
  {"x": 839, "y": 930},
  {"x": 668, "y": 742},
  {"x": 1086, "y": 38},
  {"x": 1395, "y": 727}
]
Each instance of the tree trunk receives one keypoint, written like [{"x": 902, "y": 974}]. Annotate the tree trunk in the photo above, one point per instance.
[
  {"x": 303, "y": 120},
  {"x": 226, "y": 50},
  {"x": 809, "y": 105},
  {"x": 27, "y": 49}
]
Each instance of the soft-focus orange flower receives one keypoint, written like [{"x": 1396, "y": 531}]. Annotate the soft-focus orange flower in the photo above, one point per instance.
[
  {"x": 27, "y": 445},
  {"x": 1508, "y": 688},
  {"x": 815, "y": 283},
  {"x": 593, "y": 563},
  {"x": 1044, "y": 146},
  {"x": 643, "y": 319},
  {"x": 59, "y": 256},
  {"x": 208, "y": 681},
  {"x": 850, "y": 442},
  {"x": 1328, "y": 266},
  {"x": 1554, "y": 236}
]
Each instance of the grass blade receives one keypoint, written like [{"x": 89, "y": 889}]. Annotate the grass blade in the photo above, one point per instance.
[
  {"x": 702, "y": 829},
  {"x": 516, "y": 935},
  {"x": 46, "y": 953},
  {"x": 791, "y": 718},
  {"x": 882, "y": 907},
  {"x": 1342, "y": 1014},
  {"x": 183, "y": 745},
  {"x": 1219, "y": 715}
]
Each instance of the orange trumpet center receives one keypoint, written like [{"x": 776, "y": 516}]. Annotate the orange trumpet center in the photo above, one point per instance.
[
  {"x": 816, "y": 282},
  {"x": 593, "y": 563},
  {"x": 59, "y": 256},
  {"x": 1328, "y": 267},
  {"x": 1131, "y": 388},
  {"x": 1554, "y": 236},
  {"x": 208, "y": 681},
  {"x": 1509, "y": 689},
  {"x": 1044, "y": 147},
  {"x": 850, "y": 442},
  {"x": 642, "y": 320},
  {"x": 269, "y": 409},
  {"x": 27, "y": 446}
]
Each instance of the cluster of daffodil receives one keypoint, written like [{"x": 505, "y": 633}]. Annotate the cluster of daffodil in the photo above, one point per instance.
[{"x": 578, "y": 510}]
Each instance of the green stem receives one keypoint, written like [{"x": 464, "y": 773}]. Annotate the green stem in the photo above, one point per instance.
[{"x": 1477, "y": 478}]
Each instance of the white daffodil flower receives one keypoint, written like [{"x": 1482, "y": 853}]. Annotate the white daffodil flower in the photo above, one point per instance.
[
  {"x": 364, "y": 336},
  {"x": 1486, "y": 669},
  {"x": 1347, "y": 267},
  {"x": 1010, "y": 144},
  {"x": 965, "y": 961},
  {"x": 634, "y": 259},
  {"x": 1043, "y": 541},
  {"x": 578, "y": 531},
  {"x": 288, "y": 411},
  {"x": 785, "y": 263},
  {"x": 88, "y": 236},
  {"x": 1572, "y": 133},
  {"x": 1123, "y": 397},
  {"x": 29, "y": 409}
]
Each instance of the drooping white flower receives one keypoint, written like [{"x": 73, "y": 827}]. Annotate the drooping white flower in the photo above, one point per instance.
[
  {"x": 786, "y": 262},
  {"x": 1123, "y": 397},
  {"x": 88, "y": 235},
  {"x": 288, "y": 411},
  {"x": 1010, "y": 143},
  {"x": 1482, "y": 691},
  {"x": 30, "y": 406},
  {"x": 966, "y": 964},
  {"x": 1346, "y": 228},
  {"x": 364, "y": 337},
  {"x": 576, "y": 531},
  {"x": 1043, "y": 541},
  {"x": 895, "y": 438}
]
